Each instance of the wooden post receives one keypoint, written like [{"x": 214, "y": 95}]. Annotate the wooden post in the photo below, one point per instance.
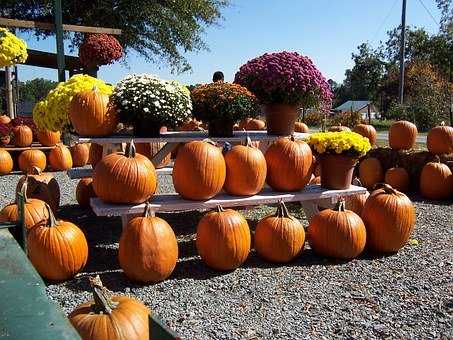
[
  {"x": 59, "y": 40},
  {"x": 369, "y": 113},
  {"x": 9, "y": 93}
]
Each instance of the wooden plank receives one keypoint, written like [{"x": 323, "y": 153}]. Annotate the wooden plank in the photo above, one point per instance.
[
  {"x": 49, "y": 60},
  {"x": 174, "y": 202},
  {"x": 163, "y": 152},
  {"x": 76, "y": 173},
  {"x": 33, "y": 146}
]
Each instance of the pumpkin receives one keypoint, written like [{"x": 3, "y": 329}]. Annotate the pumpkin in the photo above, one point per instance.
[
  {"x": 252, "y": 124},
  {"x": 34, "y": 210},
  {"x": 191, "y": 125},
  {"x": 80, "y": 154},
  {"x": 109, "y": 316},
  {"x": 6, "y": 162},
  {"x": 23, "y": 135},
  {"x": 436, "y": 181},
  {"x": 356, "y": 202},
  {"x": 4, "y": 119},
  {"x": 223, "y": 239},
  {"x": 301, "y": 127},
  {"x": 91, "y": 114},
  {"x": 440, "y": 139},
  {"x": 95, "y": 154},
  {"x": 84, "y": 192},
  {"x": 128, "y": 177},
  {"x": 199, "y": 171},
  {"x": 48, "y": 138},
  {"x": 289, "y": 164},
  {"x": 42, "y": 186},
  {"x": 367, "y": 131},
  {"x": 337, "y": 233},
  {"x": 279, "y": 237},
  {"x": 339, "y": 128},
  {"x": 60, "y": 158},
  {"x": 150, "y": 150},
  {"x": 371, "y": 172},
  {"x": 397, "y": 178},
  {"x": 245, "y": 170},
  {"x": 389, "y": 217},
  {"x": 148, "y": 249},
  {"x": 402, "y": 135},
  {"x": 57, "y": 249},
  {"x": 28, "y": 159}
]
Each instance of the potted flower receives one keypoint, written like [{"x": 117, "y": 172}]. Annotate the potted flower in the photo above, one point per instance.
[
  {"x": 5, "y": 134},
  {"x": 13, "y": 50},
  {"x": 338, "y": 153},
  {"x": 283, "y": 82},
  {"x": 100, "y": 49},
  {"x": 148, "y": 103},
  {"x": 221, "y": 105}
]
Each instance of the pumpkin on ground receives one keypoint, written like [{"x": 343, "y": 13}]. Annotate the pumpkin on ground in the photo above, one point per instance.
[
  {"x": 356, "y": 202},
  {"x": 4, "y": 119},
  {"x": 436, "y": 181},
  {"x": 57, "y": 249},
  {"x": 389, "y": 218},
  {"x": 279, "y": 237},
  {"x": 48, "y": 138},
  {"x": 95, "y": 154},
  {"x": 148, "y": 249},
  {"x": 367, "y": 131},
  {"x": 42, "y": 186},
  {"x": 301, "y": 127},
  {"x": 402, "y": 135},
  {"x": 191, "y": 125},
  {"x": 371, "y": 172},
  {"x": 252, "y": 124},
  {"x": 60, "y": 158},
  {"x": 80, "y": 154},
  {"x": 91, "y": 114},
  {"x": 109, "y": 316},
  {"x": 128, "y": 177},
  {"x": 223, "y": 239},
  {"x": 23, "y": 135},
  {"x": 440, "y": 139},
  {"x": 397, "y": 178},
  {"x": 84, "y": 192},
  {"x": 199, "y": 171},
  {"x": 151, "y": 149},
  {"x": 28, "y": 159},
  {"x": 337, "y": 233},
  {"x": 6, "y": 162},
  {"x": 289, "y": 164},
  {"x": 339, "y": 128}
]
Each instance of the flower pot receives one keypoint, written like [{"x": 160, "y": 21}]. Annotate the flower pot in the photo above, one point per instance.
[
  {"x": 280, "y": 119},
  {"x": 147, "y": 129},
  {"x": 220, "y": 128},
  {"x": 336, "y": 171},
  {"x": 4, "y": 140}
]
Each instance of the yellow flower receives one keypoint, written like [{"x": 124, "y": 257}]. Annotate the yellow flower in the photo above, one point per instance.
[
  {"x": 13, "y": 50},
  {"x": 340, "y": 142}
]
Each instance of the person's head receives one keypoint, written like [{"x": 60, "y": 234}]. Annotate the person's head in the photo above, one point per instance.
[{"x": 217, "y": 76}]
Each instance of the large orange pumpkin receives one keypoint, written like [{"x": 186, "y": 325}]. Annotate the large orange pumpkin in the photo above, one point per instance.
[
  {"x": 91, "y": 114},
  {"x": 95, "y": 154},
  {"x": 28, "y": 159},
  {"x": 367, "y": 131},
  {"x": 148, "y": 249},
  {"x": 84, "y": 192},
  {"x": 371, "y": 172},
  {"x": 397, "y": 178},
  {"x": 223, "y": 239},
  {"x": 356, "y": 202},
  {"x": 436, "y": 181},
  {"x": 150, "y": 149},
  {"x": 337, "y": 233},
  {"x": 48, "y": 138},
  {"x": 199, "y": 171},
  {"x": 245, "y": 170},
  {"x": 23, "y": 135},
  {"x": 279, "y": 237},
  {"x": 128, "y": 177},
  {"x": 80, "y": 154},
  {"x": 289, "y": 164},
  {"x": 109, "y": 316},
  {"x": 60, "y": 158},
  {"x": 4, "y": 119},
  {"x": 440, "y": 139},
  {"x": 6, "y": 162},
  {"x": 301, "y": 127},
  {"x": 402, "y": 135},
  {"x": 389, "y": 218},
  {"x": 57, "y": 249}
]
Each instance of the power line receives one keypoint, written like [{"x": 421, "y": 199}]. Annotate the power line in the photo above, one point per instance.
[
  {"x": 428, "y": 11},
  {"x": 383, "y": 22}
]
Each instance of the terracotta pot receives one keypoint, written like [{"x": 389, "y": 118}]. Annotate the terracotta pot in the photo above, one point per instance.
[
  {"x": 220, "y": 128},
  {"x": 336, "y": 171},
  {"x": 280, "y": 119},
  {"x": 146, "y": 128},
  {"x": 4, "y": 140}
]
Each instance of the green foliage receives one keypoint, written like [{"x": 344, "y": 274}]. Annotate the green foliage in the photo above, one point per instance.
[
  {"x": 36, "y": 89},
  {"x": 348, "y": 118},
  {"x": 313, "y": 118}
]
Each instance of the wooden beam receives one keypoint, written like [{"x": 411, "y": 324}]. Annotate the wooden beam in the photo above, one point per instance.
[
  {"x": 49, "y": 60},
  {"x": 47, "y": 26}
]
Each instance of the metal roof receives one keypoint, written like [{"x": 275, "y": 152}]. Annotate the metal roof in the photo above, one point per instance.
[{"x": 356, "y": 105}]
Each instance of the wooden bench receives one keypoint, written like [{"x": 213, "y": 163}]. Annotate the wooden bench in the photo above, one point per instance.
[{"x": 76, "y": 173}]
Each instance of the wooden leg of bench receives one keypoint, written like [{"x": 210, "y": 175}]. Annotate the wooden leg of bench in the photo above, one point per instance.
[{"x": 311, "y": 208}]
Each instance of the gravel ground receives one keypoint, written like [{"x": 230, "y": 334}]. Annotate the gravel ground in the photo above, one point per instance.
[{"x": 406, "y": 295}]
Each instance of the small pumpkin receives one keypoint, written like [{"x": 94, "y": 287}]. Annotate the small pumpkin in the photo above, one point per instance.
[
  {"x": 28, "y": 159},
  {"x": 23, "y": 135},
  {"x": 339, "y": 128},
  {"x": 6, "y": 162},
  {"x": 389, "y": 218},
  {"x": 95, "y": 154},
  {"x": 436, "y": 181},
  {"x": 191, "y": 125},
  {"x": 4, "y": 119},
  {"x": 60, "y": 158},
  {"x": 337, "y": 233},
  {"x": 397, "y": 178},
  {"x": 252, "y": 124},
  {"x": 128, "y": 177},
  {"x": 109, "y": 316},
  {"x": 367, "y": 131},
  {"x": 48, "y": 138},
  {"x": 84, "y": 192},
  {"x": 371, "y": 172},
  {"x": 150, "y": 150},
  {"x": 80, "y": 154},
  {"x": 223, "y": 239},
  {"x": 356, "y": 202},
  {"x": 402, "y": 135},
  {"x": 440, "y": 139},
  {"x": 148, "y": 249},
  {"x": 301, "y": 127},
  {"x": 279, "y": 237}
]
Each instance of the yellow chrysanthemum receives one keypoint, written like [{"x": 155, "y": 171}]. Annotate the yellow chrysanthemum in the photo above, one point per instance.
[
  {"x": 13, "y": 50},
  {"x": 344, "y": 142}
]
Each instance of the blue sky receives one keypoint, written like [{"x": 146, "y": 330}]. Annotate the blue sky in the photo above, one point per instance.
[{"x": 328, "y": 31}]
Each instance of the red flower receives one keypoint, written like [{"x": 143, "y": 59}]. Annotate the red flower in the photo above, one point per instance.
[{"x": 100, "y": 49}]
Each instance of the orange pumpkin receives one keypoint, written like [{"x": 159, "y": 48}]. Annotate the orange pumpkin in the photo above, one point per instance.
[
  {"x": 23, "y": 135},
  {"x": 91, "y": 114},
  {"x": 60, "y": 158},
  {"x": 337, "y": 233},
  {"x": 148, "y": 249},
  {"x": 279, "y": 237},
  {"x": 191, "y": 125},
  {"x": 150, "y": 150},
  {"x": 6, "y": 162},
  {"x": 4, "y": 119},
  {"x": 128, "y": 177},
  {"x": 436, "y": 181},
  {"x": 110, "y": 316},
  {"x": 199, "y": 171},
  {"x": 80, "y": 154},
  {"x": 252, "y": 124},
  {"x": 371, "y": 172},
  {"x": 397, "y": 178},
  {"x": 223, "y": 239},
  {"x": 301, "y": 127},
  {"x": 289, "y": 164},
  {"x": 95, "y": 154},
  {"x": 440, "y": 139},
  {"x": 48, "y": 138},
  {"x": 84, "y": 192},
  {"x": 367, "y": 131},
  {"x": 339, "y": 128},
  {"x": 402, "y": 135},
  {"x": 356, "y": 202},
  {"x": 31, "y": 158}
]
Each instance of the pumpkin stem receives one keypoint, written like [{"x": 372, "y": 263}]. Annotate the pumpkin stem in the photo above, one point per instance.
[
  {"x": 130, "y": 149},
  {"x": 340, "y": 206},
  {"x": 52, "y": 220},
  {"x": 282, "y": 210},
  {"x": 36, "y": 170},
  {"x": 387, "y": 188},
  {"x": 219, "y": 208},
  {"x": 436, "y": 159},
  {"x": 248, "y": 141},
  {"x": 148, "y": 212},
  {"x": 291, "y": 138},
  {"x": 356, "y": 181},
  {"x": 209, "y": 141},
  {"x": 102, "y": 301},
  {"x": 95, "y": 88},
  {"x": 442, "y": 123},
  {"x": 23, "y": 190}
]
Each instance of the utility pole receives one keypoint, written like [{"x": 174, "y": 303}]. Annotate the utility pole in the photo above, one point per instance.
[
  {"x": 402, "y": 53},
  {"x": 59, "y": 39}
]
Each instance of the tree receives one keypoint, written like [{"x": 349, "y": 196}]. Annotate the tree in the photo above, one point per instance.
[
  {"x": 446, "y": 7},
  {"x": 156, "y": 29},
  {"x": 36, "y": 89}
]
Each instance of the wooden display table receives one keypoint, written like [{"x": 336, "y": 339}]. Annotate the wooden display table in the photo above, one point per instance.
[
  {"x": 36, "y": 146},
  {"x": 76, "y": 173}
]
